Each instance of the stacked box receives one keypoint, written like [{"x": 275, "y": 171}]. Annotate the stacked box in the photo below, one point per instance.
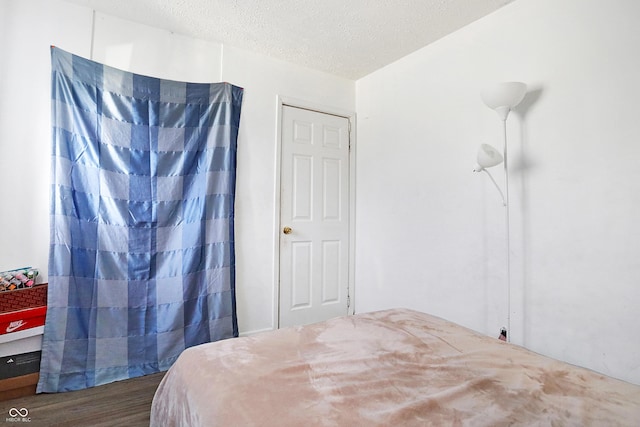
[
  {"x": 21, "y": 299},
  {"x": 22, "y": 317},
  {"x": 19, "y": 364},
  {"x": 18, "y": 279},
  {"x": 19, "y": 320}
]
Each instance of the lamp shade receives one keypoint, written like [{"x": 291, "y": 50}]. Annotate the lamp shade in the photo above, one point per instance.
[
  {"x": 502, "y": 97},
  {"x": 488, "y": 157}
]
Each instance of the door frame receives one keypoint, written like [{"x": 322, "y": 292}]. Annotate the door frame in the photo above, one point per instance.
[{"x": 282, "y": 101}]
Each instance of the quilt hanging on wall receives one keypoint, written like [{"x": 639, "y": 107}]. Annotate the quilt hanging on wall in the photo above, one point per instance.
[{"x": 141, "y": 262}]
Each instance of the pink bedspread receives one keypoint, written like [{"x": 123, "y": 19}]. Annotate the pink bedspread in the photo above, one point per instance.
[{"x": 387, "y": 368}]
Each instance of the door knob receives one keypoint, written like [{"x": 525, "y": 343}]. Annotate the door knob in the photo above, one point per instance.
[{"x": 287, "y": 230}]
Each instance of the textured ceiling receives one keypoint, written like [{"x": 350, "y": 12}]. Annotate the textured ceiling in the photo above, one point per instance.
[{"x": 348, "y": 38}]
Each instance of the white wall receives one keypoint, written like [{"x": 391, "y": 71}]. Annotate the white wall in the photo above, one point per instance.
[
  {"x": 25, "y": 126},
  {"x": 28, "y": 29},
  {"x": 431, "y": 234},
  {"x": 154, "y": 52}
]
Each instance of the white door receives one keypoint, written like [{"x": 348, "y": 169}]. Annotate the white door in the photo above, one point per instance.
[{"x": 314, "y": 217}]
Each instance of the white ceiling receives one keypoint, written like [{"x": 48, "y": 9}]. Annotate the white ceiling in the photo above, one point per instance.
[{"x": 348, "y": 38}]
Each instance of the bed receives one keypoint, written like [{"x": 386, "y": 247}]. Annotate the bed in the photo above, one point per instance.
[{"x": 388, "y": 368}]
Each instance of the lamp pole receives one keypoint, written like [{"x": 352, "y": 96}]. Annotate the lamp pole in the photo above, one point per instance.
[{"x": 507, "y": 228}]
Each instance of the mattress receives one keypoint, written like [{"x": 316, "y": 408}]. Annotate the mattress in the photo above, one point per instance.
[{"x": 387, "y": 368}]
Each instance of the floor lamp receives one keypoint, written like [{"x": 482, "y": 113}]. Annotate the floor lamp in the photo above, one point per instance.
[{"x": 501, "y": 97}]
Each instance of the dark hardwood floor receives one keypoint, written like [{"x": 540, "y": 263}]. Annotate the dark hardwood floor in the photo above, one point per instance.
[{"x": 123, "y": 403}]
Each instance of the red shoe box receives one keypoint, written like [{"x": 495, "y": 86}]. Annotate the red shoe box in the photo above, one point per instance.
[
  {"x": 14, "y": 321},
  {"x": 23, "y": 298},
  {"x": 23, "y": 309}
]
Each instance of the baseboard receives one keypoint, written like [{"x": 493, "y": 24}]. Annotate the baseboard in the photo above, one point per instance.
[{"x": 257, "y": 331}]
